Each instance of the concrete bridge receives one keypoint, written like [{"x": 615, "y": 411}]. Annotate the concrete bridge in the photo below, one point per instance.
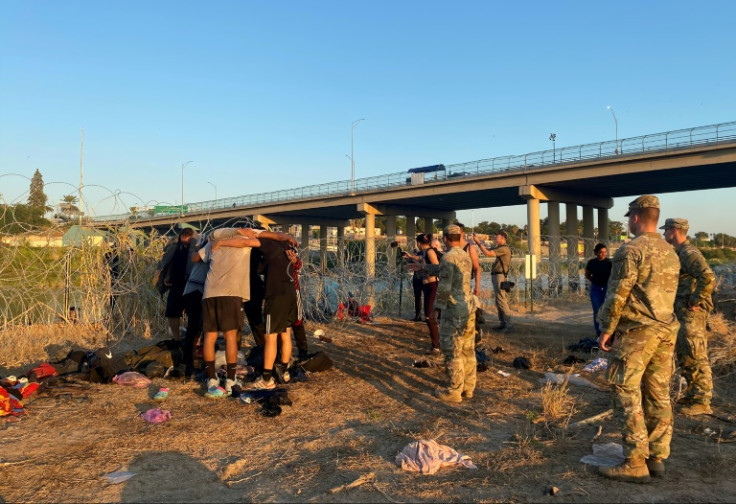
[{"x": 589, "y": 176}]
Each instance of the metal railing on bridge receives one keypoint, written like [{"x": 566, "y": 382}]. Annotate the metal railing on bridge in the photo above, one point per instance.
[{"x": 656, "y": 142}]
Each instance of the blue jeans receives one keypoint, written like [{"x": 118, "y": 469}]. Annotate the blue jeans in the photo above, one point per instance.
[{"x": 597, "y": 296}]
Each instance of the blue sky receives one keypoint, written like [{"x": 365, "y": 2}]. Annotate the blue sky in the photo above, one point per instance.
[{"x": 261, "y": 95}]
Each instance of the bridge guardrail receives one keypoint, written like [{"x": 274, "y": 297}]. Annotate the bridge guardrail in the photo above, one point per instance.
[{"x": 667, "y": 141}]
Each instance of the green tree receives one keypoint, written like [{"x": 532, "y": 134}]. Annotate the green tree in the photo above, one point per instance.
[
  {"x": 615, "y": 229},
  {"x": 20, "y": 218},
  {"x": 37, "y": 199}
]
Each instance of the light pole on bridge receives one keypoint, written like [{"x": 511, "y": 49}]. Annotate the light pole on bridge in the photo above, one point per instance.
[
  {"x": 352, "y": 158},
  {"x": 553, "y": 137},
  {"x": 616, "y": 123},
  {"x": 214, "y": 187},
  {"x": 181, "y": 208}
]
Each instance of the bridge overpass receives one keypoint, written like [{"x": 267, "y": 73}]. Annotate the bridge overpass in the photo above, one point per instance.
[{"x": 588, "y": 175}]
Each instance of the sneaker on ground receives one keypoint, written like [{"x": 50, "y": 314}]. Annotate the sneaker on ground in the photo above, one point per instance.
[
  {"x": 162, "y": 394},
  {"x": 212, "y": 383},
  {"x": 229, "y": 386},
  {"x": 261, "y": 384},
  {"x": 216, "y": 393}
]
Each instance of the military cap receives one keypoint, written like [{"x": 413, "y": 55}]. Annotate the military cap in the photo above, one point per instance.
[
  {"x": 452, "y": 229},
  {"x": 676, "y": 224},
  {"x": 646, "y": 201}
]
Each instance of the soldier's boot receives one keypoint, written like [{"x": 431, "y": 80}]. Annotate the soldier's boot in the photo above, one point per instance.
[
  {"x": 656, "y": 467},
  {"x": 695, "y": 409},
  {"x": 468, "y": 394},
  {"x": 447, "y": 396},
  {"x": 632, "y": 470}
]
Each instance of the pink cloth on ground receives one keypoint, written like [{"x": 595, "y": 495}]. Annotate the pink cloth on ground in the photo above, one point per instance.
[
  {"x": 132, "y": 379},
  {"x": 156, "y": 415},
  {"x": 427, "y": 457}
]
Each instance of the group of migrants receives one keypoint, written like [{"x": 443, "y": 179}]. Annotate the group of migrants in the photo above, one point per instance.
[{"x": 220, "y": 278}]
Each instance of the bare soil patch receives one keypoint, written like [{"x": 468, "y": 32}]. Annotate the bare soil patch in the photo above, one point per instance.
[{"x": 351, "y": 421}]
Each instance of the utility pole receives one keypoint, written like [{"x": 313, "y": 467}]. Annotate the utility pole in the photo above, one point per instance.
[{"x": 81, "y": 175}]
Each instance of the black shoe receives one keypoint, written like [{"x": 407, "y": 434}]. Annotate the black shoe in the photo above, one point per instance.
[
  {"x": 281, "y": 373},
  {"x": 501, "y": 327}
]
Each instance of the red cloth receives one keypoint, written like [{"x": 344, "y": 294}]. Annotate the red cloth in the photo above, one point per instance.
[{"x": 44, "y": 370}]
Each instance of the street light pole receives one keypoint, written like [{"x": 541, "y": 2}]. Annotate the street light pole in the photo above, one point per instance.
[
  {"x": 553, "y": 137},
  {"x": 181, "y": 207},
  {"x": 616, "y": 122},
  {"x": 352, "y": 158},
  {"x": 215, "y": 188}
]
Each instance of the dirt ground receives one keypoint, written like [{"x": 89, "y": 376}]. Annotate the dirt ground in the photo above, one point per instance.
[{"x": 352, "y": 421}]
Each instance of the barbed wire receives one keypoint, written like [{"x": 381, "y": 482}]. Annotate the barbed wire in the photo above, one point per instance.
[{"x": 107, "y": 278}]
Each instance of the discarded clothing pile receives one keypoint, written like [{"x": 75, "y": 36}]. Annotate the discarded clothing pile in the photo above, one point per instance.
[
  {"x": 269, "y": 400},
  {"x": 588, "y": 345},
  {"x": 428, "y": 457},
  {"x": 12, "y": 394}
]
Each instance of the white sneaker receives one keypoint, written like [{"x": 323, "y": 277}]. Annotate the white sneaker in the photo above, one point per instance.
[
  {"x": 261, "y": 384},
  {"x": 213, "y": 383},
  {"x": 229, "y": 386}
]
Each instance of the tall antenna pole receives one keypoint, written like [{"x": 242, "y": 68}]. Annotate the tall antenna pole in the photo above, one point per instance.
[{"x": 81, "y": 174}]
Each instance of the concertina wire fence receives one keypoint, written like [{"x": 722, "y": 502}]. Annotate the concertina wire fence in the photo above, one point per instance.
[{"x": 108, "y": 279}]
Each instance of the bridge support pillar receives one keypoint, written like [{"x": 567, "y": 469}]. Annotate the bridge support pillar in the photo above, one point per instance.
[
  {"x": 588, "y": 232},
  {"x": 444, "y": 223},
  {"x": 411, "y": 231},
  {"x": 370, "y": 213},
  {"x": 429, "y": 225},
  {"x": 603, "y": 234},
  {"x": 305, "y": 242},
  {"x": 323, "y": 248},
  {"x": 341, "y": 245},
  {"x": 553, "y": 225},
  {"x": 533, "y": 237},
  {"x": 391, "y": 237},
  {"x": 571, "y": 230}
]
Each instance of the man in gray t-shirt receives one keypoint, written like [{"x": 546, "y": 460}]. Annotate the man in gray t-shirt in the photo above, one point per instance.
[{"x": 226, "y": 288}]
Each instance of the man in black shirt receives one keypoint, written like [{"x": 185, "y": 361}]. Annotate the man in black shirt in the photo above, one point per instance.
[{"x": 597, "y": 272}]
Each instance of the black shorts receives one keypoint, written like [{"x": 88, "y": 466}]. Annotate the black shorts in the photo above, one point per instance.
[
  {"x": 174, "y": 302},
  {"x": 224, "y": 313},
  {"x": 280, "y": 312}
]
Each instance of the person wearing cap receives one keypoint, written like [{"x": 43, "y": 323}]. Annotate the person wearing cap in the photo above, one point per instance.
[
  {"x": 499, "y": 274},
  {"x": 639, "y": 328},
  {"x": 693, "y": 303},
  {"x": 457, "y": 328}
]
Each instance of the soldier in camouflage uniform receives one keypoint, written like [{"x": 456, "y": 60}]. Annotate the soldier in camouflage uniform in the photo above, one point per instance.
[
  {"x": 457, "y": 329},
  {"x": 693, "y": 303},
  {"x": 638, "y": 311}
]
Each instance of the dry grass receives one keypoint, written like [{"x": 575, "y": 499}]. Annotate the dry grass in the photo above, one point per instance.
[
  {"x": 557, "y": 403},
  {"x": 345, "y": 424}
]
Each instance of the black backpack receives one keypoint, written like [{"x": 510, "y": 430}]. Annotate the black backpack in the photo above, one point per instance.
[{"x": 103, "y": 365}]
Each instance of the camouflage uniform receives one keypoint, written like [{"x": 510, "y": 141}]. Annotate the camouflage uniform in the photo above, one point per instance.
[
  {"x": 639, "y": 308},
  {"x": 694, "y": 289},
  {"x": 457, "y": 329}
]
